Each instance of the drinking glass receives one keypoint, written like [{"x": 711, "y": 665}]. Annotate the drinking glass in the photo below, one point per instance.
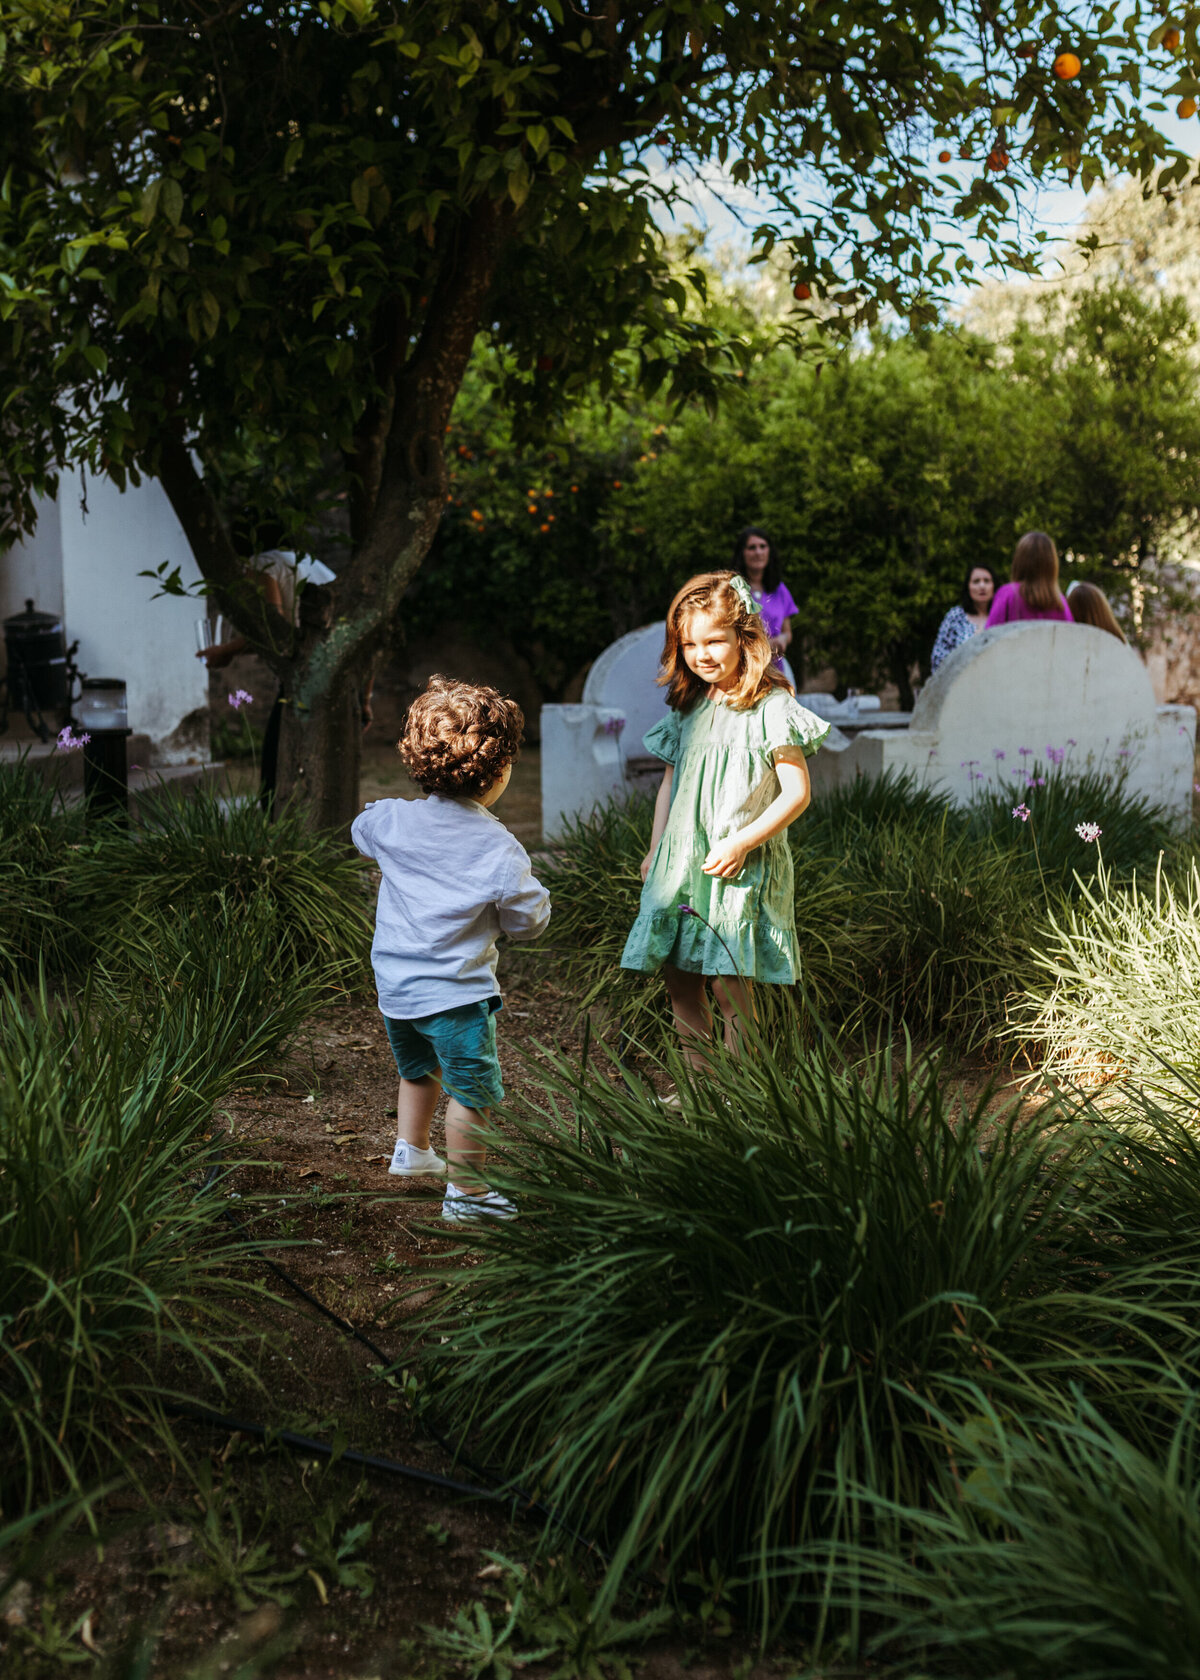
[{"x": 210, "y": 632}]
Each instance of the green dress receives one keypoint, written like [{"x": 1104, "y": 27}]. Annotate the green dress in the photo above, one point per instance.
[{"x": 724, "y": 779}]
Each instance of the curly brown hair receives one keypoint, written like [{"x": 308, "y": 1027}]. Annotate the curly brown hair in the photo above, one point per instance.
[
  {"x": 713, "y": 592},
  {"x": 459, "y": 737}
]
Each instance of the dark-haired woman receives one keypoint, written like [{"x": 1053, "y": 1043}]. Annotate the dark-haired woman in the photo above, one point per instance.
[
  {"x": 968, "y": 618},
  {"x": 1034, "y": 591},
  {"x": 756, "y": 558}
]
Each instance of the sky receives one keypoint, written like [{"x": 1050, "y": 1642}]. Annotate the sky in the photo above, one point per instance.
[{"x": 727, "y": 211}]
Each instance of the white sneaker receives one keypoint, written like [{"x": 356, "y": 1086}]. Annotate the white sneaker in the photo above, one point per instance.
[
  {"x": 410, "y": 1162},
  {"x": 458, "y": 1205}
]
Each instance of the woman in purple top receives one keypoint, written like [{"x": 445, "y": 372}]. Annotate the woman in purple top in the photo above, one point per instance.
[
  {"x": 755, "y": 557},
  {"x": 1034, "y": 591}
]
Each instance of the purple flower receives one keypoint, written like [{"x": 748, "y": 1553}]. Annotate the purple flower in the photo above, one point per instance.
[
  {"x": 1024, "y": 751},
  {"x": 68, "y": 742},
  {"x": 976, "y": 775},
  {"x": 1071, "y": 743},
  {"x": 1088, "y": 831},
  {"x": 1196, "y": 787},
  {"x": 686, "y": 910},
  {"x": 1122, "y": 752},
  {"x": 1035, "y": 781},
  {"x": 613, "y": 725},
  {"x": 240, "y": 699},
  {"x": 1023, "y": 812},
  {"x": 999, "y": 753},
  {"x": 1056, "y": 754}
]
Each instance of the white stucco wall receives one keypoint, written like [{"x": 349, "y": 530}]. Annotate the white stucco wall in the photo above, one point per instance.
[{"x": 86, "y": 567}]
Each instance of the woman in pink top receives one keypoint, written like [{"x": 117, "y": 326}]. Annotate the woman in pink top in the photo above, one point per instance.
[{"x": 1034, "y": 591}]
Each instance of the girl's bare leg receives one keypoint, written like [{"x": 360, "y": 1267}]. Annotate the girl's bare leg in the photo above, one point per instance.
[
  {"x": 736, "y": 1003},
  {"x": 465, "y": 1152},
  {"x": 689, "y": 1004},
  {"x": 415, "y": 1103}
]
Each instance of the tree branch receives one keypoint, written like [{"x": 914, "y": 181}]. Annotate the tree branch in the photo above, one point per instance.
[{"x": 265, "y": 628}]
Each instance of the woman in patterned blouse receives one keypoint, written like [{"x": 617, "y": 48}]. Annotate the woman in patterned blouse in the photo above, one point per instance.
[{"x": 969, "y": 616}]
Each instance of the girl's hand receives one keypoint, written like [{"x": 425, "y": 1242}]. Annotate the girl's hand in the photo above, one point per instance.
[
  {"x": 778, "y": 646},
  {"x": 645, "y": 865},
  {"x": 726, "y": 859}
]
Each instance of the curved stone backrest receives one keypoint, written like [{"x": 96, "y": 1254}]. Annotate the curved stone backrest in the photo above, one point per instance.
[
  {"x": 1020, "y": 697},
  {"x": 1023, "y": 678},
  {"x": 624, "y": 677}
]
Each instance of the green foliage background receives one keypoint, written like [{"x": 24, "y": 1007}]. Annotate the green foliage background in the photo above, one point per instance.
[{"x": 882, "y": 473}]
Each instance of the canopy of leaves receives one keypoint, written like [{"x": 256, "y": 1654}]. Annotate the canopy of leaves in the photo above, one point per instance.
[
  {"x": 245, "y": 225},
  {"x": 882, "y": 475}
]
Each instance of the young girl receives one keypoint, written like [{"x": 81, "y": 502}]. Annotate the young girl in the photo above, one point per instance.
[{"x": 734, "y": 743}]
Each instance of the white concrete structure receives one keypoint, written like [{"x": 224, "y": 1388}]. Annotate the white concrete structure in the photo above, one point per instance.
[
  {"x": 1036, "y": 686},
  {"x": 592, "y": 751},
  {"x": 84, "y": 567},
  {"x": 993, "y": 709}
]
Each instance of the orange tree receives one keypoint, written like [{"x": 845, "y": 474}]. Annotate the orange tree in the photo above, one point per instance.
[{"x": 248, "y": 249}]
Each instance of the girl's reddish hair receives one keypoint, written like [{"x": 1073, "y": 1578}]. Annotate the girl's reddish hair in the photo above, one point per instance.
[{"x": 713, "y": 592}]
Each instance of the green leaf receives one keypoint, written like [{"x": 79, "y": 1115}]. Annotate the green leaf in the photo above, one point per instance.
[{"x": 171, "y": 199}]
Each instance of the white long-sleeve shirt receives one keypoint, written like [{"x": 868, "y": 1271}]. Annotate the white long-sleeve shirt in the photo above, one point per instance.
[{"x": 454, "y": 879}]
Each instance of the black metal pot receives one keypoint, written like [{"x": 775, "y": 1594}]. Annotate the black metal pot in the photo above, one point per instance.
[{"x": 35, "y": 646}]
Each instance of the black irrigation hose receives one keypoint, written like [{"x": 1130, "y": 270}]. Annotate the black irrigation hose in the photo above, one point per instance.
[{"x": 325, "y": 1449}]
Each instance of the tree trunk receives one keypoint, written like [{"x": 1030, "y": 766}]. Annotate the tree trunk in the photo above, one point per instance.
[{"x": 320, "y": 754}]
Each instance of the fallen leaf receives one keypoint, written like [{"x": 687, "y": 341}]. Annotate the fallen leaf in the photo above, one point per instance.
[
  {"x": 490, "y": 1572},
  {"x": 87, "y": 1636},
  {"x": 345, "y": 1137},
  {"x": 309, "y": 1172}
]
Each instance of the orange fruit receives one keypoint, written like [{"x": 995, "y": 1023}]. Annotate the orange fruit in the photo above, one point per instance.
[
  {"x": 532, "y": 508},
  {"x": 543, "y": 528},
  {"x": 1026, "y": 49},
  {"x": 997, "y": 159},
  {"x": 616, "y": 483},
  {"x": 1186, "y": 107},
  {"x": 574, "y": 489},
  {"x": 801, "y": 291},
  {"x": 943, "y": 157},
  {"x": 1170, "y": 38},
  {"x": 1067, "y": 66}
]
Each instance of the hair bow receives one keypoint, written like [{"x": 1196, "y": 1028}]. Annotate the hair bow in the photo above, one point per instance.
[{"x": 743, "y": 592}]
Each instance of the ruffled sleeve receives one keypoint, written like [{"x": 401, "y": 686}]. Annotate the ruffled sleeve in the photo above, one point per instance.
[
  {"x": 789, "y": 724},
  {"x": 663, "y": 740}
]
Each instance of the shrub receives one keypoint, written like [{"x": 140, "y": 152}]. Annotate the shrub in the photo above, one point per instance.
[
  {"x": 706, "y": 1329},
  {"x": 1062, "y": 1550},
  {"x": 1117, "y": 993},
  {"x": 193, "y": 852},
  {"x": 1135, "y": 833},
  {"x": 36, "y": 827},
  {"x": 114, "y": 1269}
]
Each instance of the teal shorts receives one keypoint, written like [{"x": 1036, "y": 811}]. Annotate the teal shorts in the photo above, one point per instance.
[{"x": 460, "y": 1044}]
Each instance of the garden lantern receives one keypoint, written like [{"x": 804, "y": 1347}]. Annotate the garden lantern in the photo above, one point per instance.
[{"x": 104, "y": 720}]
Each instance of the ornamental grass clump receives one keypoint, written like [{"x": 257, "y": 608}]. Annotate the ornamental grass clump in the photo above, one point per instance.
[
  {"x": 36, "y": 829},
  {"x": 191, "y": 851},
  {"x": 1113, "y": 996},
  {"x": 1061, "y": 1549},
  {"x": 121, "y": 1285},
  {"x": 709, "y": 1329}
]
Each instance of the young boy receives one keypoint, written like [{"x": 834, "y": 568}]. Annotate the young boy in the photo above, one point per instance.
[{"x": 454, "y": 878}]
